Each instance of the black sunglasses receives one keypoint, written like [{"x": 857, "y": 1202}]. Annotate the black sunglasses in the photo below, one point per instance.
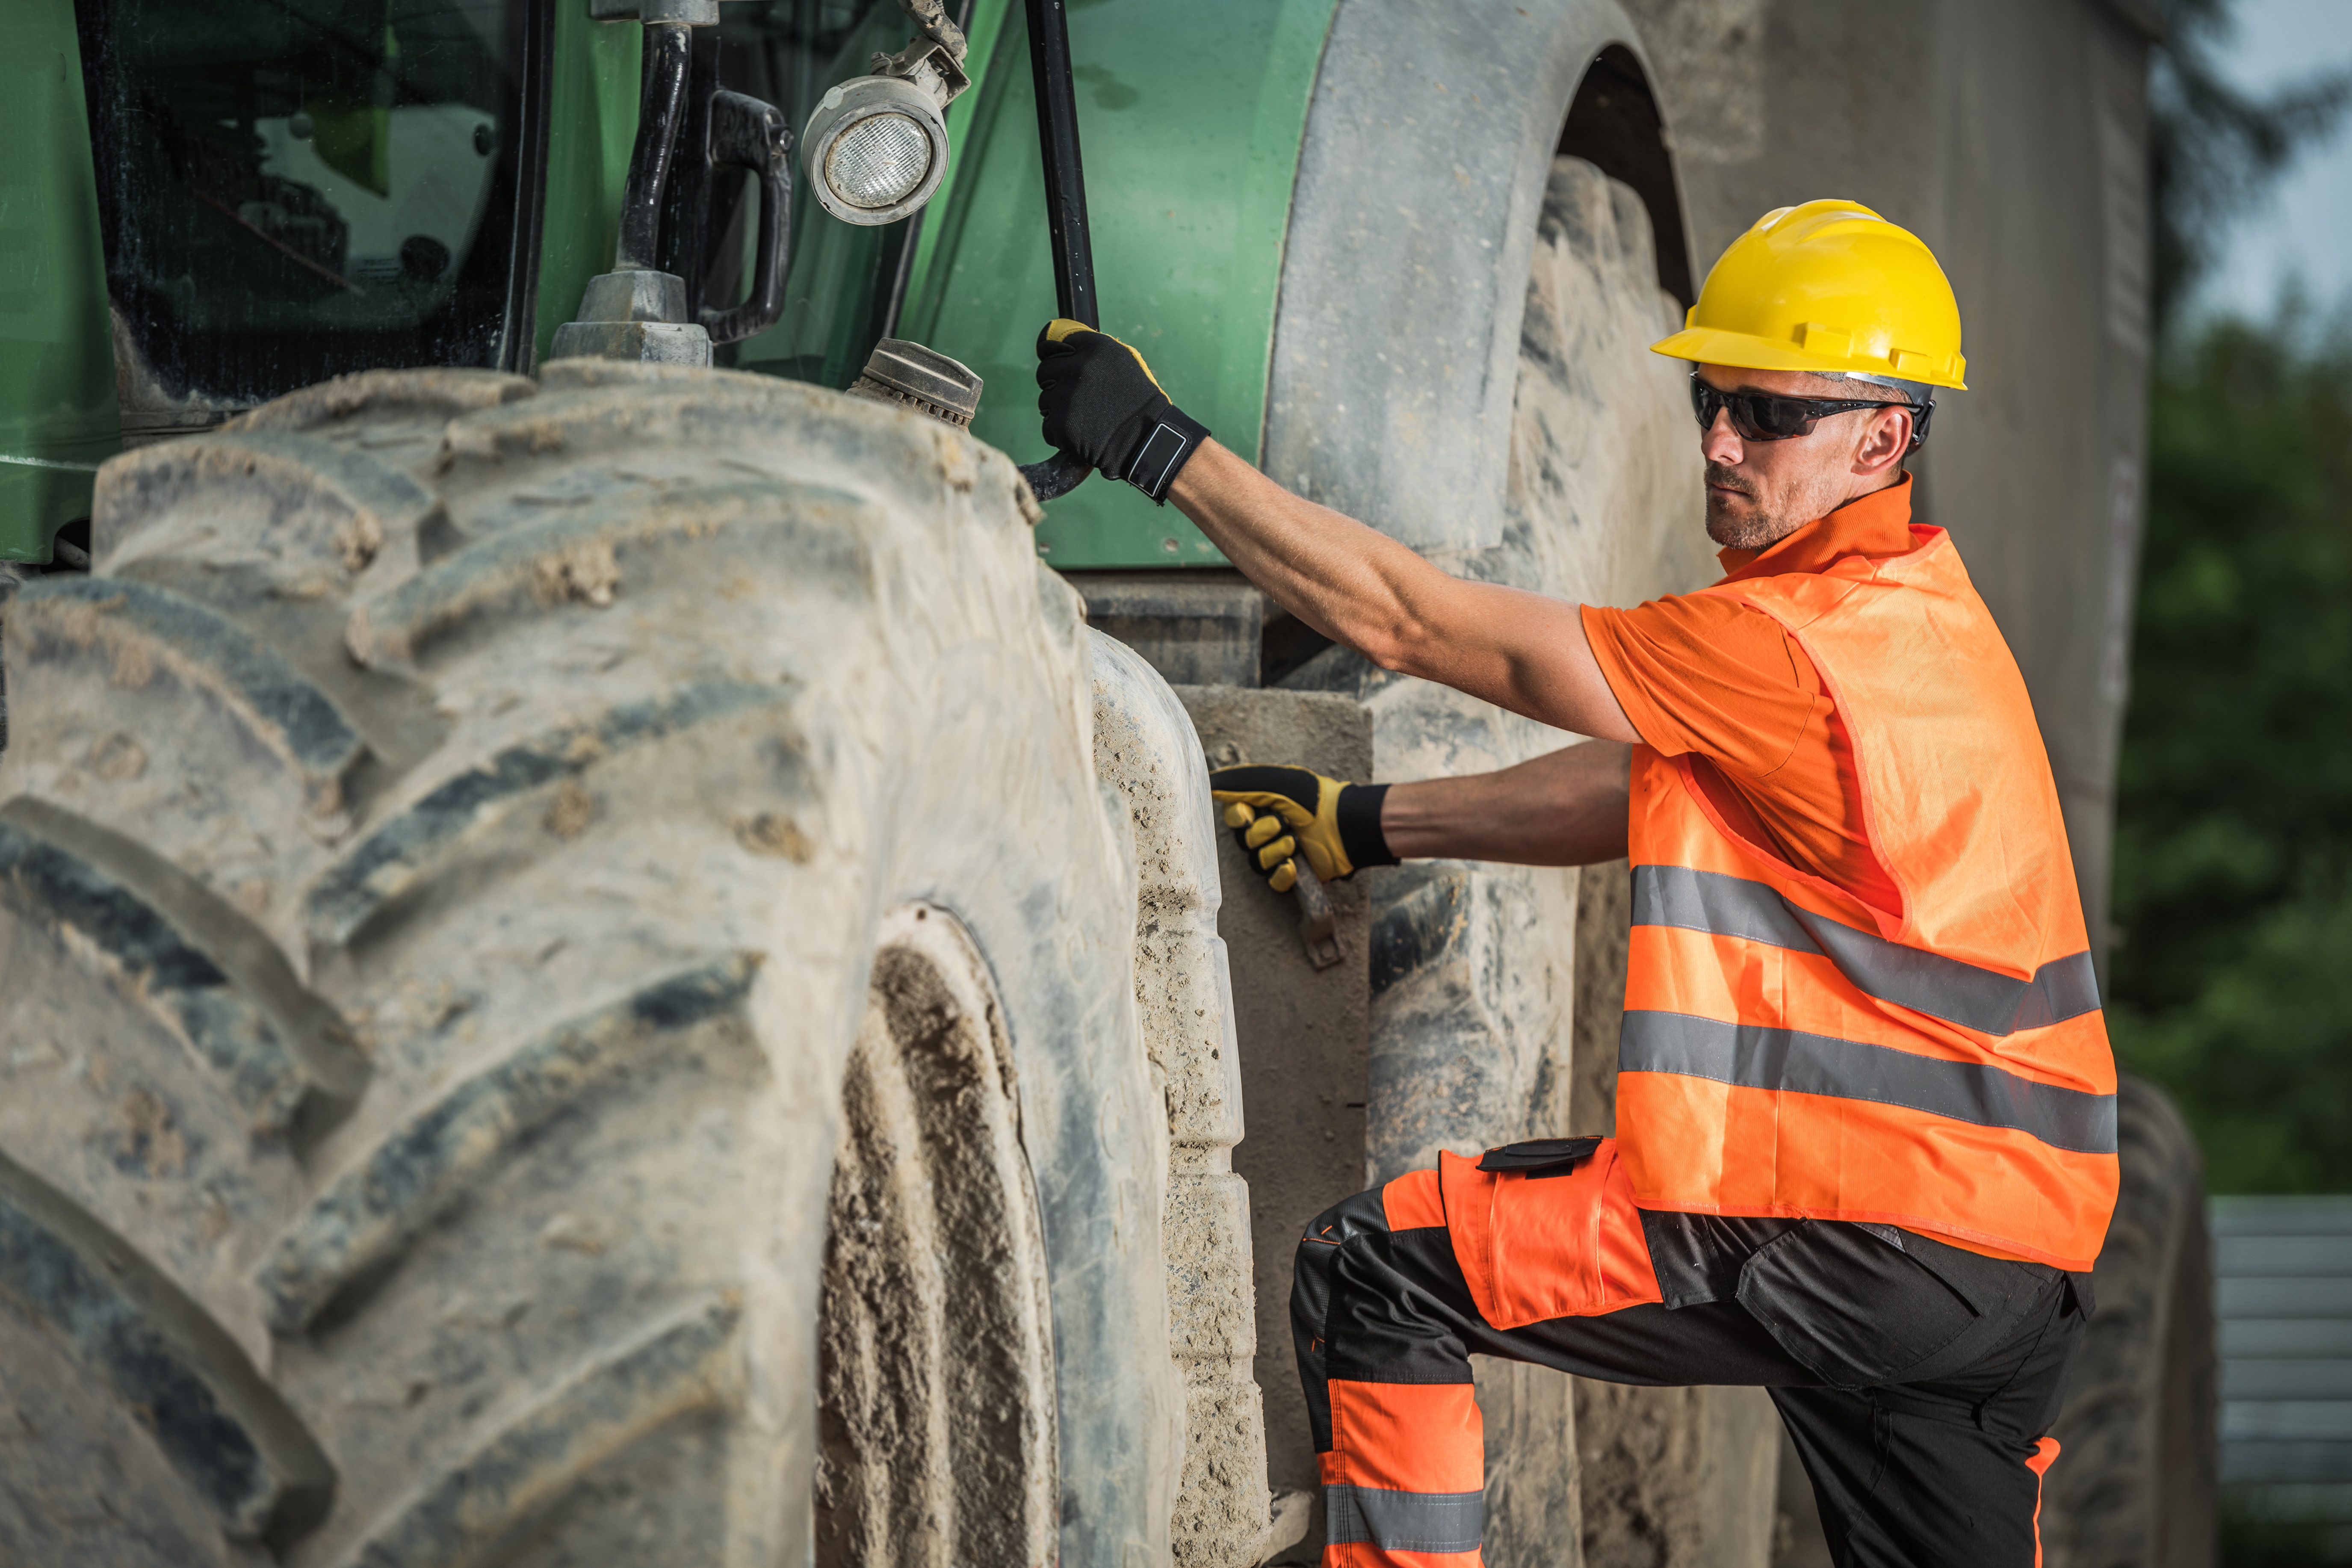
[{"x": 1763, "y": 417}]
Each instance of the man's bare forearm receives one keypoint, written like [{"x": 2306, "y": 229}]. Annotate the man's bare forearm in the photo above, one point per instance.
[
  {"x": 1346, "y": 580},
  {"x": 1565, "y": 809},
  {"x": 1519, "y": 651}
]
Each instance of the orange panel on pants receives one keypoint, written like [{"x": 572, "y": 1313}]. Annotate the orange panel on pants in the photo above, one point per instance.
[
  {"x": 1404, "y": 1482},
  {"x": 1404, "y": 1477},
  {"x": 1533, "y": 1248}
]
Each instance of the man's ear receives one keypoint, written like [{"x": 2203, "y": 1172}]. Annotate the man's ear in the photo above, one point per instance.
[{"x": 1885, "y": 441}]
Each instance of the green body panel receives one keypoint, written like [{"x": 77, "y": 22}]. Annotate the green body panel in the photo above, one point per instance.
[
  {"x": 1190, "y": 118},
  {"x": 999, "y": 37},
  {"x": 592, "y": 123},
  {"x": 57, "y": 344}
]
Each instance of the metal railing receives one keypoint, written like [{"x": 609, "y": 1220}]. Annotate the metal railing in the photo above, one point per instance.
[{"x": 2283, "y": 1268}]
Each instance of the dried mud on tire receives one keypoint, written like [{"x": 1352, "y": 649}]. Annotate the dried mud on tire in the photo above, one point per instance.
[{"x": 443, "y": 848}]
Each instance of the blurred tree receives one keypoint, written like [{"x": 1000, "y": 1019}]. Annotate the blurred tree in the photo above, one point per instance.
[
  {"x": 2232, "y": 974},
  {"x": 2233, "y": 969},
  {"x": 2213, "y": 149}
]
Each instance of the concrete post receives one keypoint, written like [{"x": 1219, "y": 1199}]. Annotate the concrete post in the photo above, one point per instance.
[{"x": 1303, "y": 1040}]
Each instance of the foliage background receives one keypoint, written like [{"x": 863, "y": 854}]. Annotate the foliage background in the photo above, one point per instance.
[
  {"x": 2231, "y": 976},
  {"x": 2232, "y": 970}
]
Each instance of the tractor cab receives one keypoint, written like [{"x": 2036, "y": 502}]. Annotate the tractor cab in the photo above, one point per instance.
[{"x": 224, "y": 202}]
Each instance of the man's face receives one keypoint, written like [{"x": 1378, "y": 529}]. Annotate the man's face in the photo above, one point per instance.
[{"x": 1758, "y": 492}]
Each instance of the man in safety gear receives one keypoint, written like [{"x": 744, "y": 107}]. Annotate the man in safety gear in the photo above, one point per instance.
[{"x": 1866, "y": 1119}]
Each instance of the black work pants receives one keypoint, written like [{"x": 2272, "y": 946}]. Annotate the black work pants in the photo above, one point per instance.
[{"x": 1917, "y": 1380}]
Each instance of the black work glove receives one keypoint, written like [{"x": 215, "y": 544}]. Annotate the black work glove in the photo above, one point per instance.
[
  {"x": 1102, "y": 404},
  {"x": 1277, "y": 813}
]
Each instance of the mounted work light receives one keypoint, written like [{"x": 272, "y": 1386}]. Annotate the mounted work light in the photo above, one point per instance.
[{"x": 875, "y": 149}]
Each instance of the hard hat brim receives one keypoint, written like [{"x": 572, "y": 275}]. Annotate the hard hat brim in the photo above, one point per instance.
[{"x": 1714, "y": 345}]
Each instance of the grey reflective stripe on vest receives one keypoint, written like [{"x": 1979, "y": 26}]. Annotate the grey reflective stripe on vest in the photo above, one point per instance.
[
  {"x": 1980, "y": 999},
  {"x": 1403, "y": 1522},
  {"x": 1751, "y": 1056}
]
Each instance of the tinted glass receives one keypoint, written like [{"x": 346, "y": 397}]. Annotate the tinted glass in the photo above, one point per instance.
[
  {"x": 292, "y": 189},
  {"x": 789, "y": 52}
]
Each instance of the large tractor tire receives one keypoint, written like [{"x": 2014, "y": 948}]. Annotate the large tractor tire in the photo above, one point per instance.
[
  {"x": 565, "y": 997},
  {"x": 2135, "y": 1485}
]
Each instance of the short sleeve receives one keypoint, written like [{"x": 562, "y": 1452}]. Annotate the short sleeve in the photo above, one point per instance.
[{"x": 1705, "y": 673}]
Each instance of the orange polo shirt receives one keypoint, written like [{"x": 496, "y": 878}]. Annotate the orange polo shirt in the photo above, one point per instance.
[{"x": 1704, "y": 676}]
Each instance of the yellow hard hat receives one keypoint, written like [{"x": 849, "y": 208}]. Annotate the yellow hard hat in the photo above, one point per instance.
[{"x": 1831, "y": 287}]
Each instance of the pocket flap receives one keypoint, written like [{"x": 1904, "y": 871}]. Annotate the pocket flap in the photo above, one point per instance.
[{"x": 1539, "y": 1157}]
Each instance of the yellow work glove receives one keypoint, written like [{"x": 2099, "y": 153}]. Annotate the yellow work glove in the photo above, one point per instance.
[{"x": 1278, "y": 813}]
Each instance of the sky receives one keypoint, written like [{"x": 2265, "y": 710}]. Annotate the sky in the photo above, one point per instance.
[{"x": 2305, "y": 226}]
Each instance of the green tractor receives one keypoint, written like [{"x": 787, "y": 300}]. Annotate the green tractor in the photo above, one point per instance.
[{"x": 613, "y": 948}]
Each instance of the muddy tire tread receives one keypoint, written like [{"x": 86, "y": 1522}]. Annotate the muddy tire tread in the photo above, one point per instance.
[{"x": 379, "y": 609}]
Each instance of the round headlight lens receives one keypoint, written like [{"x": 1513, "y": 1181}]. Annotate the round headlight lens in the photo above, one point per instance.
[{"x": 878, "y": 161}]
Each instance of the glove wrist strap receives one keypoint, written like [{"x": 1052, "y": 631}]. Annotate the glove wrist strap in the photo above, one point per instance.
[
  {"x": 1165, "y": 448},
  {"x": 1358, "y": 813}
]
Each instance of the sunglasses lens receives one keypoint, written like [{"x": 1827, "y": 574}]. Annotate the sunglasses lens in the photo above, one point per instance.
[
  {"x": 1755, "y": 416},
  {"x": 1775, "y": 418},
  {"x": 1760, "y": 416},
  {"x": 1704, "y": 403}
]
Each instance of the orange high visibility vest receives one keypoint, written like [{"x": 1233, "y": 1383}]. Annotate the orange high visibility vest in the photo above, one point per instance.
[{"x": 1790, "y": 1051}]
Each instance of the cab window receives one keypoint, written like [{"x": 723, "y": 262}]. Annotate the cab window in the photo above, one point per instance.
[{"x": 294, "y": 189}]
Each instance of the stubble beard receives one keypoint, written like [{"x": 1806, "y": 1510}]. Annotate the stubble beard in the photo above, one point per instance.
[
  {"x": 1751, "y": 527},
  {"x": 1758, "y": 525}
]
